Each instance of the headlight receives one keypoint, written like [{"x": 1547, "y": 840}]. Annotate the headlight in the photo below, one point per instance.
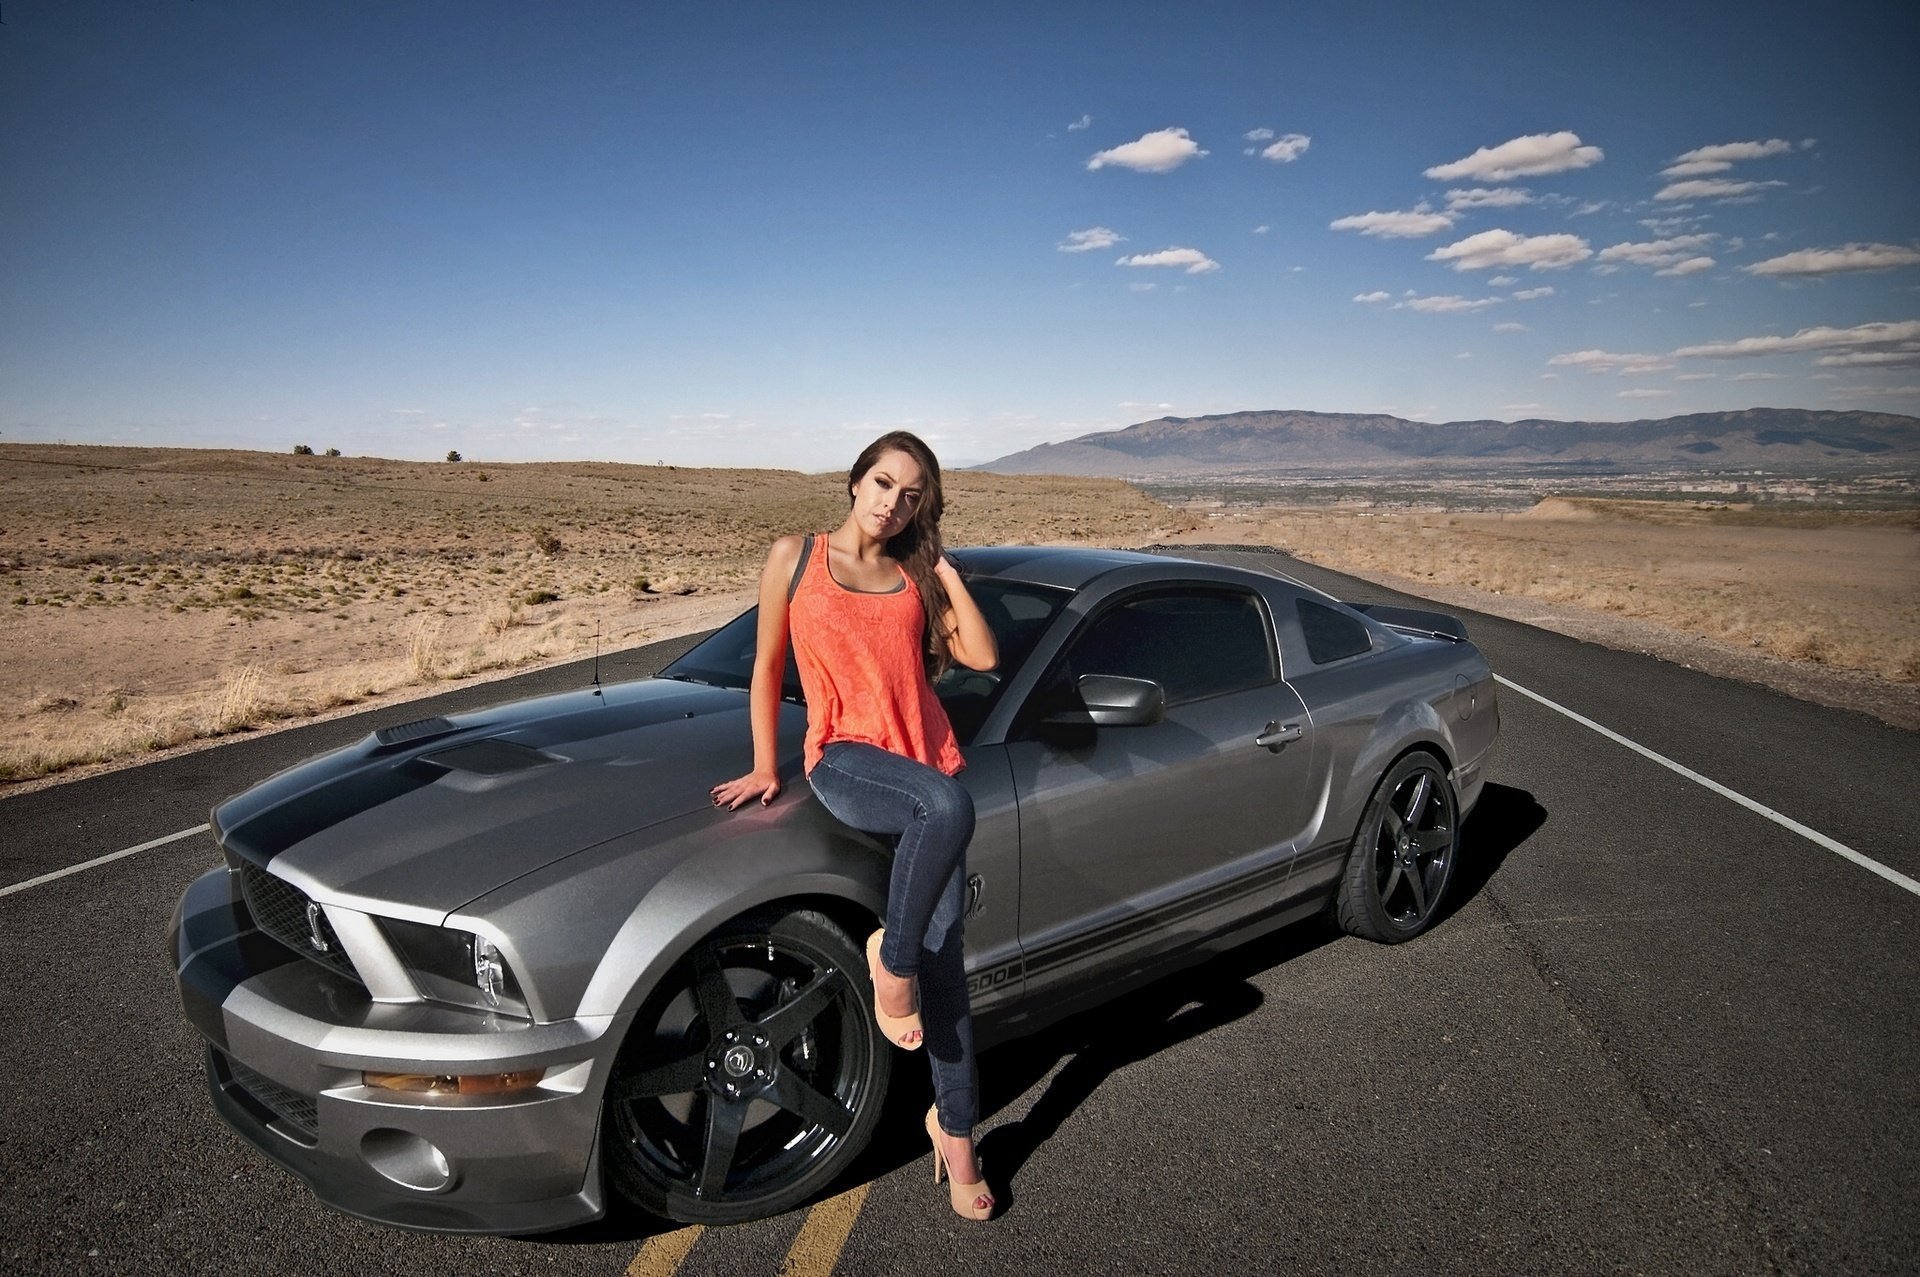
[{"x": 456, "y": 966}]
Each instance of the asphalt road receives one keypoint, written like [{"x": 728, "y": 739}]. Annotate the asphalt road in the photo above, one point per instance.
[{"x": 1660, "y": 1033}]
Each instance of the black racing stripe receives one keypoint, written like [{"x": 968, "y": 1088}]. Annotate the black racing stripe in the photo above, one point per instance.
[{"x": 283, "y": 824}]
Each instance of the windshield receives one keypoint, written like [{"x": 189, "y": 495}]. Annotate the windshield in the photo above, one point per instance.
[{"x": 1017, "y": 612}]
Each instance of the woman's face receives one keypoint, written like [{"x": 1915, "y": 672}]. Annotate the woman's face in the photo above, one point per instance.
[{"x": 887, "y": 495}]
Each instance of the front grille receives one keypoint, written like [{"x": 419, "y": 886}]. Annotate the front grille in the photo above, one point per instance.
[
  {"x": 297, "y": 1110},
  {"x": 284, "y": 912}
]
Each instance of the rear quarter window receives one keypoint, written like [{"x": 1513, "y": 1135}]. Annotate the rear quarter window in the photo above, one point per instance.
[{"x": 1331, "y": 635}]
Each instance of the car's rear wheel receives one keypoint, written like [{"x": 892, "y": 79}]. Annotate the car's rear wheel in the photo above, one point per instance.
[
  {"x": 1403, "y": 855},
  {"x": 751, "y": 1076}
]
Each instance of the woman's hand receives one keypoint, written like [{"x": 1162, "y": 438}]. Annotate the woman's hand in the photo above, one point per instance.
[
  {"x": 969, "y": 638},
  {"x": 730, "y": 794}
]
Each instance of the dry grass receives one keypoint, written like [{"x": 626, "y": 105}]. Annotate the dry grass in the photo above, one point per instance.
[{"x": 150, "y": 598}]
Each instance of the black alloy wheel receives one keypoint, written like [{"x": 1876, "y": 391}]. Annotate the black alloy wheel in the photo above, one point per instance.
[
  {"x": 1403, "y": 855},
  {"x": 751, "y": 1077}
]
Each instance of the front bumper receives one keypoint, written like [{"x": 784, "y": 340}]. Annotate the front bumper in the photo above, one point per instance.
[{"x": 288, "y": 1041}]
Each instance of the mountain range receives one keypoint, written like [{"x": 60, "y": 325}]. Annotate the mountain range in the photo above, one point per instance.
[{"x": 1778, "y": 439}]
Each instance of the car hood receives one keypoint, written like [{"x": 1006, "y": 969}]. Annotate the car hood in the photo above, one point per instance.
[{"x": 419, "y": 819}]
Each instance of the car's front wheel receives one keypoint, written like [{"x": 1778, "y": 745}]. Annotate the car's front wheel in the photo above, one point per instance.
[
  {"x": 1403, "y": 854},
  {"x": 751, "y": 1076}
]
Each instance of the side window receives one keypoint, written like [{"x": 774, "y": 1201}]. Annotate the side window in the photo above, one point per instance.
[
  {"x": 1331, "y": 635},
  {"x": 1194, "y": 643}
]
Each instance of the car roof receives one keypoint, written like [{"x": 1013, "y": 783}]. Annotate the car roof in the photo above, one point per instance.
[{"x": 1069, "y": 567}]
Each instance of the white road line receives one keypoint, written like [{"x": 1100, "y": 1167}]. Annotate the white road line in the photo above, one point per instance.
[
  {"x": 101, "y": 860},
  {"x": 1868, "y": 863}
]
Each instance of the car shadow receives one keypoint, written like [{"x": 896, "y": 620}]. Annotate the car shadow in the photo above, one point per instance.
[{"x": 1502, "y": 820}]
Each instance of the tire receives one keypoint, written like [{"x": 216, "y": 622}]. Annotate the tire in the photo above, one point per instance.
[
  {"x": 752, "y": 1075},
  {"x": 1403, "y": 854}
]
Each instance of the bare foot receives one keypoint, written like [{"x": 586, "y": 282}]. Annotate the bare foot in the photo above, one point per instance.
[
  {"x": 962, "y": 1162},
  {"x": 895, "y": 993}
]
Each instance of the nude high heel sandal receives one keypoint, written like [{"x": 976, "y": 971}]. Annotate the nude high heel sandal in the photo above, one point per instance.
[
  {"x": 970, "y": 1201},
  {"x": 903, "y": 1031}
]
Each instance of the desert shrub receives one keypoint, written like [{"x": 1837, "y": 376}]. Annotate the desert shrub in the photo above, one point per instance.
[
  {"x": 537, "y": 597},
  {"x": 452, "y": 455},
  {"x": 333, "y": 452},
  {"x": 546, "y": 542},
  {"x": 302, "y": 450}
]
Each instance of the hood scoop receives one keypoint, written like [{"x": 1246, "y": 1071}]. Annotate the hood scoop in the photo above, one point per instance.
[{"x": 489, "y": 758}]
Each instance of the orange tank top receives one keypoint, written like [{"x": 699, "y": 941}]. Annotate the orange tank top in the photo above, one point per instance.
[{"x": 860, "y": 664}]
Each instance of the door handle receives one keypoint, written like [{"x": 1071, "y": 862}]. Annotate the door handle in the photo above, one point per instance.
[{"x": 1276, "y": 735}]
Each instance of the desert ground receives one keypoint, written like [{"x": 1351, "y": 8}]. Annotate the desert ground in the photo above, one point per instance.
[{"x": 153, "y": 599}]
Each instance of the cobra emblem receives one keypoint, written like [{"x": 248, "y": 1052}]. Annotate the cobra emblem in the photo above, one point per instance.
[{"x": 316, "y": 937}]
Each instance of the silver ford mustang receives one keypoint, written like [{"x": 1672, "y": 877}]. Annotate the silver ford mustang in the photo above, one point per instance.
[{"x": 470, "y": 972}]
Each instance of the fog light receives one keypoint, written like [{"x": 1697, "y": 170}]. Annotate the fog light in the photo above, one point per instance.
[
  {"x": 456, "y": 1084},
  {"x": 406, "y": 1159}
]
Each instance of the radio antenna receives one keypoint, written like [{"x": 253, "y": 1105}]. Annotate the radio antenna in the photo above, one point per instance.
[{"x": 596, "y": 654}]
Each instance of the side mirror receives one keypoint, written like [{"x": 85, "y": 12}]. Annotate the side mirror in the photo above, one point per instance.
[{"x": 1110, "y": 700}]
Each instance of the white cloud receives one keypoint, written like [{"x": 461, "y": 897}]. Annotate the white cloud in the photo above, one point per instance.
[
  {"x": 1192, "y": 259},
  {"x": 1141, "y": 288},
  {"x": 1504, "y": 248},
  {"x": 1692, "y": 266},
  {"x": 1157, "y": 152},
  {"x": 1718, "y": 159},
  {"x": 1524, "y": 407},
  {"x": 1877, "y": 392},
  {"x": 1084, "y": 122},
  {"x": 1533, "y": 294},
  {"x": 1487, "y": 197},
  {"x": 1831, "y": 261},
  {"x": 1711, "y": 188},
  {"x": 1394, "y": 225},
  {"x": 1502, "y": 281},
  {"x": 1760, "y": 376},
  {"x": 1657, "y": 252},
  {"x": 1259, "y": 135},
  {"x": 1607, "y": 361},
  {"x": 1643, "y": 392},
  {"x": 1152, "y": 407},
  {"x": 1375, "y": 296},
  {"x": 1862, "y": 337},
  {"x": 1287, "y": 149},
  {"x": 1530, "y": 156},
  {"x": 1088, "y": 240},
  {"x": 408, "y": 412},
  {"x": 1695, "y": 376},
  {"x": 1672, "y": 225},
  {"x": 1509, "y": 327},
  {"x": 1446, "y": 304},
  {"x": 1908, "y": 354},
  {"x": 1262, "y": 229}
]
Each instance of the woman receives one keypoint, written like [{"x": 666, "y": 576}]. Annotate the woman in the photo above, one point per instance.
[{"x": 875, "y": 610}]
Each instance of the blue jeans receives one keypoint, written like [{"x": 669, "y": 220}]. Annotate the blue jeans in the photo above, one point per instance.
[{"x": 931, "y": 814}]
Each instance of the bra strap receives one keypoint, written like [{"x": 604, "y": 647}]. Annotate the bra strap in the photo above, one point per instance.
[{"x": 800, "y": 568}]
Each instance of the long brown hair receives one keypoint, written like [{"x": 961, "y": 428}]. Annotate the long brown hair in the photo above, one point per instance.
[{"x": 916, "y": 547}]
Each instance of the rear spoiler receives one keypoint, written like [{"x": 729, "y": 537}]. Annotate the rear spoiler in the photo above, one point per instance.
[{"x": 1437, "y": 624}]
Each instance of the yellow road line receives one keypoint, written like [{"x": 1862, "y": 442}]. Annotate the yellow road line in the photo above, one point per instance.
[
  {"x": 663, "y": 1254},
  {"x": 817, "y": 1248}
]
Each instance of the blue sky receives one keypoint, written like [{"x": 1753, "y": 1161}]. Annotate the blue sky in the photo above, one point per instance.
[{"x": 761, "y": 233}]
